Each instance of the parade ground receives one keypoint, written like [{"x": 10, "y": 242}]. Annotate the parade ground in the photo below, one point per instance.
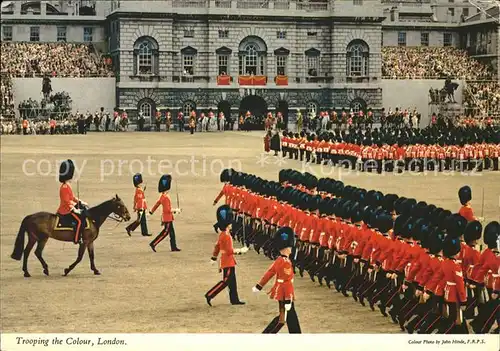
[{"x": 140, "y": 291}]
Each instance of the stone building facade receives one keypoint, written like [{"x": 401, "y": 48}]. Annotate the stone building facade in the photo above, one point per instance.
[{"x": 235, "y": 59}]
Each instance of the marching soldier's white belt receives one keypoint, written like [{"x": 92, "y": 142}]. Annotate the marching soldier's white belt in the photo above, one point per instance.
[
  {"x": 496, "y": 275},
  {"x": 451, "y": 283},
  {"x": 282, "y": 281},
  {"x": 308, "y": 148}
]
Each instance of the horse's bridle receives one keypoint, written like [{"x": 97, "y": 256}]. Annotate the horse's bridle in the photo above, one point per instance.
[{"x": 116, "y": 218}]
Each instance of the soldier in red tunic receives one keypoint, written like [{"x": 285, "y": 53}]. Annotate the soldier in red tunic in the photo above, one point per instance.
[
  {"x": 69, "y": 204},
  {"x": 486, "y": 276},
  {"x": 224, "y": 246},
  {"x": 140, "y": 207},
  {"x": 455, "y": 296},
  {"x": 282, "y": 290},
  {"x": 465, "y": 196},
  {"x": 167, "y": 217}
]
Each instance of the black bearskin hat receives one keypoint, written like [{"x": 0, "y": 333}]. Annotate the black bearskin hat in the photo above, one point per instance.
[
  {"x": 473, "y": 231},
  {"x": 436, "y": 241},
  {"x": 284, "y": 237},
  {"x": 164, "y": 183},
  {"x": 356, "y": 213},
  {"x": 384, "y": 223},
  {"x": 225, "y": 175},
  {"x": 491, "y": 234},
  {"x": 66, "y": 171},
  {"x": 451, "y": 247},
  {"x": 455, "y": 225},
  {"x": 137, "y": 179},
  {"x": 388, "y": 202},
  {"x": 465, "y": 194},
  {"x": 224, "y": 217}
]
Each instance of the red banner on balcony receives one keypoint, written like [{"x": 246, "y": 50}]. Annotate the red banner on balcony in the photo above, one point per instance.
[
  {"x": 259, "y": 80},
  {"x": 252, "y": 80},
  {"x": 223, "y": 80},
  {"x": 245, "y": 80},
  {"x": 281, "y": 80}
]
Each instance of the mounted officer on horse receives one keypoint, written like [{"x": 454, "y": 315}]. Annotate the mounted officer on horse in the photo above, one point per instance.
[{"x": 73, "y": 222}]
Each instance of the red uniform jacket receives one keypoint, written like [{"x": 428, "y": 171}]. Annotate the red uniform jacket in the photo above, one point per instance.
[
  {"x": 224, "y": 245},
  {"x": 470, "y": 259},
  {"x": 139, "y": 200},
  {"x": 466, "y": 212},
  {"x": 426, "y": 272},
  {"x": 454, "y": 289},
  {"x": 226, "y": 191},
  {"x": 434, "y": 284},
  {"x": 67, "y": 199},
  {"x": 282, "y": 289},
  {"x": 166, "y": 215},
  {"x": 486, "y": 270}
]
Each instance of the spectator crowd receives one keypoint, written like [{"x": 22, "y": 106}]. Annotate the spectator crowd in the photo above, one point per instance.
[
  {"x": 26, "y": 60},
  {"x": 482, "y": 95},
  {"x": 424, "y": 62}
]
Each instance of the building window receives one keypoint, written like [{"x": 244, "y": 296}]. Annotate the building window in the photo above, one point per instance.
[
  {"x": 451, "y": 1},
  {"x": 7, "y": 33},
  {"x": 311, "y": 109},
  {"x": 358, "y": 2},
  {"x": 447, "y": 39},
  {"x": 356, "y": 106},
  {"x": 223, "y": 34},
  {"x": 357, "y": 59},
  {"x": 87, "y": 34},
  {"x": 452, "y": 12},
  {"x": 146, "y": 109},
  {"x": 401, "y": 38},
  {"x": 145, "y": 58},
  {"x": 188, "y": 107},
  {"x": 281, "y": 65},
  {"x": 465, "y": 12},
  {"x": 188, "y": 64},
  {"x": 61, "y": 34},
  {"x": 312, "y": 66},
  {"x": 424, "y": 39},
  {"x": 223, "y": 64},
  {"x": 252, "y": 57},
  {"x": 34, "y": 33},
  {"x": 188, "y": 33},
  {"x": 281, "y": 34},
  {"x": 312, "y": 34}
]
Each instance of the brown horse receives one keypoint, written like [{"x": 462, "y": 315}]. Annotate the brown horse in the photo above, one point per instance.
[{"x": 42, "y": 225}]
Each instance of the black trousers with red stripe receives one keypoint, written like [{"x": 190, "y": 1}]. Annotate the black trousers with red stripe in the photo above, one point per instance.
[
  {"x": 168, "y": 229},
  {"x": 289, "y": 318},
  {"x": 229, "y": 281}
]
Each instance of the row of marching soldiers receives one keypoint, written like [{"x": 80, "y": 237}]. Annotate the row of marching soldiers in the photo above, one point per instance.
[
  {"x": 387, "y": 156},
  {"x": 419, "y": 262}
]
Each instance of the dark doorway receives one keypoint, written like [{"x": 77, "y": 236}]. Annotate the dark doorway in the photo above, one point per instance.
[
  {"x": 283, "y": 108},
  {"x": 256, "y": 105},
  {"x": 225, "y": 108}
]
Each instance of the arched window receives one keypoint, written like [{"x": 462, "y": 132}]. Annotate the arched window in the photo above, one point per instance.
[
  {"x": 357, "y": 59},
  {"x": 145, "y": 59},
  {"x": 252, "y": 52},
  {"x": 251, "y": 58},
  {"x": 146, "y": 56},
  {"x": 146, "y": 109},
  {"x": 311, "y": 109},
  {"x": 187, "y": 107},
  {"x": 358, "y": 105}
]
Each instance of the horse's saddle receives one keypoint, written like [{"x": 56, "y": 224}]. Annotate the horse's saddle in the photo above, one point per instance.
[{"x": 68, "y": 222}]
